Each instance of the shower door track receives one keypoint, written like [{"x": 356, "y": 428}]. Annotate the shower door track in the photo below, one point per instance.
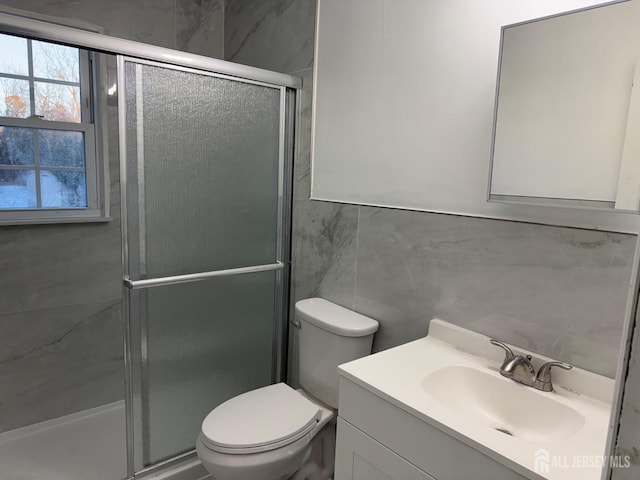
[{"x": 20, "y": 25}]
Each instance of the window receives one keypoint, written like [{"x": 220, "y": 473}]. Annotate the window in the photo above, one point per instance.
[{"x": 48, "y": 165}]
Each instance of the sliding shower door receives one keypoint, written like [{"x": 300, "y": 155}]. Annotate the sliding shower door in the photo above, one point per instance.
[{"x": 204, "y": 169}]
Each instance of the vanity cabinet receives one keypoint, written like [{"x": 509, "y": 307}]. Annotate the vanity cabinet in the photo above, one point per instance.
[
  {"x": 378, "y": 440},
  {"x": 360, "y": 457}
]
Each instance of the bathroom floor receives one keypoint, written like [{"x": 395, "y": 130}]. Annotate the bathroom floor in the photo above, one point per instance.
[{"x": 87, "y": 445}]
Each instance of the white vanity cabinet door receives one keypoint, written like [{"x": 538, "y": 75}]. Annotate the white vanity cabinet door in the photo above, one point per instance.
[
  {"x": 360, "y": 457},
  {"x": 420, "y": 444}
]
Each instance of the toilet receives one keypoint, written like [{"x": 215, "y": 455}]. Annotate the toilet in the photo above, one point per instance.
[{"x": 276, "y": 432}]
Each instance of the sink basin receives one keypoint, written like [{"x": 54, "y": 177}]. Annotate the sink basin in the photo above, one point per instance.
[
  {"x": 449, "y": 381},
  {"x": 502, "y": 405}
]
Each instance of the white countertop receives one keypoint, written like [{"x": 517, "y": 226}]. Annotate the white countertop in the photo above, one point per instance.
[{"x": 397, "y": 374}]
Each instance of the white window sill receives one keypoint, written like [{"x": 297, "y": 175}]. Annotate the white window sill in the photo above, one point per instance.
[{"x": 55, "y": 221}]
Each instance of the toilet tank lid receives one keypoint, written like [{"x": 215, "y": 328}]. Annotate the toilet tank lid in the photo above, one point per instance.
[{"x": 334, "y": 318}]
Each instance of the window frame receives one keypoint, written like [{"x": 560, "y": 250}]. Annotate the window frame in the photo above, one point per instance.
[{"x": 91, "y": 80}]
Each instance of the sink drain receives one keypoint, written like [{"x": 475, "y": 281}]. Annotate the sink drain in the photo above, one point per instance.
[{"x": 506, "y": 432}]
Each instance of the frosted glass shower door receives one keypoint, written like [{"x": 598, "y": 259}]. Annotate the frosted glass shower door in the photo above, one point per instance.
[{"x": 205, "y": 245}]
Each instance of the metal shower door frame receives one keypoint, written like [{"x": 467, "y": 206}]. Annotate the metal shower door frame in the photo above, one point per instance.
[{"x": 135, "y": 365}]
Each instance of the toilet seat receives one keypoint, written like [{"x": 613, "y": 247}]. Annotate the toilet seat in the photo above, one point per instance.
[{"x": 260, "y": 420}]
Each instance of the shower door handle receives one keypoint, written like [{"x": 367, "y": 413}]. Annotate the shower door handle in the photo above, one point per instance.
[{"x": 197, "y": 277}]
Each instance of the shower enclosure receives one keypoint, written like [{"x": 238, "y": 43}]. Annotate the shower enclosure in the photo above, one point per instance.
[
  {"x": 204, "y": 174},
  {"x": 205, "y": 151}
]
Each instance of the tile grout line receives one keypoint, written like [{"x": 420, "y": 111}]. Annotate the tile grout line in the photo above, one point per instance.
[{"x": 355, "y": 273}]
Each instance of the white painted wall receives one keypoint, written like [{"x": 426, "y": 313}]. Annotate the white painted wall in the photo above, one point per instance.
[{"x": 404, "y": 103}]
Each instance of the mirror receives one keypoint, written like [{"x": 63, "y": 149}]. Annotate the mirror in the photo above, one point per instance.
[
  {"x": 404, "y": 103},
  {"x": 566, "y": 111}
]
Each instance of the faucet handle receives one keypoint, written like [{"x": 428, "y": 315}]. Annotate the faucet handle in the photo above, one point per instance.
[
  {"x": 544, "y": 374},
  {"x": 508, "y": 353}
]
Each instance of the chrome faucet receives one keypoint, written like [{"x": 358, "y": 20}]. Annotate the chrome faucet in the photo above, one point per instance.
[{"x": 520, "y": 369}]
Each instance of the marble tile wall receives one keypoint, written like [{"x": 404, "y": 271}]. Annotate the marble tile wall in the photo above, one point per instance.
[
  {"x": 59, "y": 360},
  {"x": 558, "y": 291},
  {"x": 200, "y": 27},
  {"x": 628, "y": 443},
  {"x": 196, "y": 26},
  {"x": 275, "y": 34},
  {"x": 60, "y": 302}
]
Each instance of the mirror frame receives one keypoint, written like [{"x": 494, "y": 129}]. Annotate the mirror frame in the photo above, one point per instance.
[{"x": 597, "y": 207}]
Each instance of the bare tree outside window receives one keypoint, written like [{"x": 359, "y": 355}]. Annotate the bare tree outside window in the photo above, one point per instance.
[{"x": 41, "y": 167}]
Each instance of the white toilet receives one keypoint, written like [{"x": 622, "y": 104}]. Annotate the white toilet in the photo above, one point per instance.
[{"x": 276, "y": 432}]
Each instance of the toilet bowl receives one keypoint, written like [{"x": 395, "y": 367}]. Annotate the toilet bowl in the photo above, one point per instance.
[
  {"x": 240, "y": 442},
  {"x": 276, "y": 432}
]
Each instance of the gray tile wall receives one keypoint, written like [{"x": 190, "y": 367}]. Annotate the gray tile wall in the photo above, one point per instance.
[
  {"x": 200, "y": 27},
  {"x": 195, "y": 26},
  {"x": 60, "y": 303},
  {"x": 559, "y": 291},
  {"x": 628, "y": 442},
  {"x": 272, "y": 34}
]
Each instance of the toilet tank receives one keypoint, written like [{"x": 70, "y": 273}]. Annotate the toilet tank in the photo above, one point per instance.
[{"x": 329, "y": 335}]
